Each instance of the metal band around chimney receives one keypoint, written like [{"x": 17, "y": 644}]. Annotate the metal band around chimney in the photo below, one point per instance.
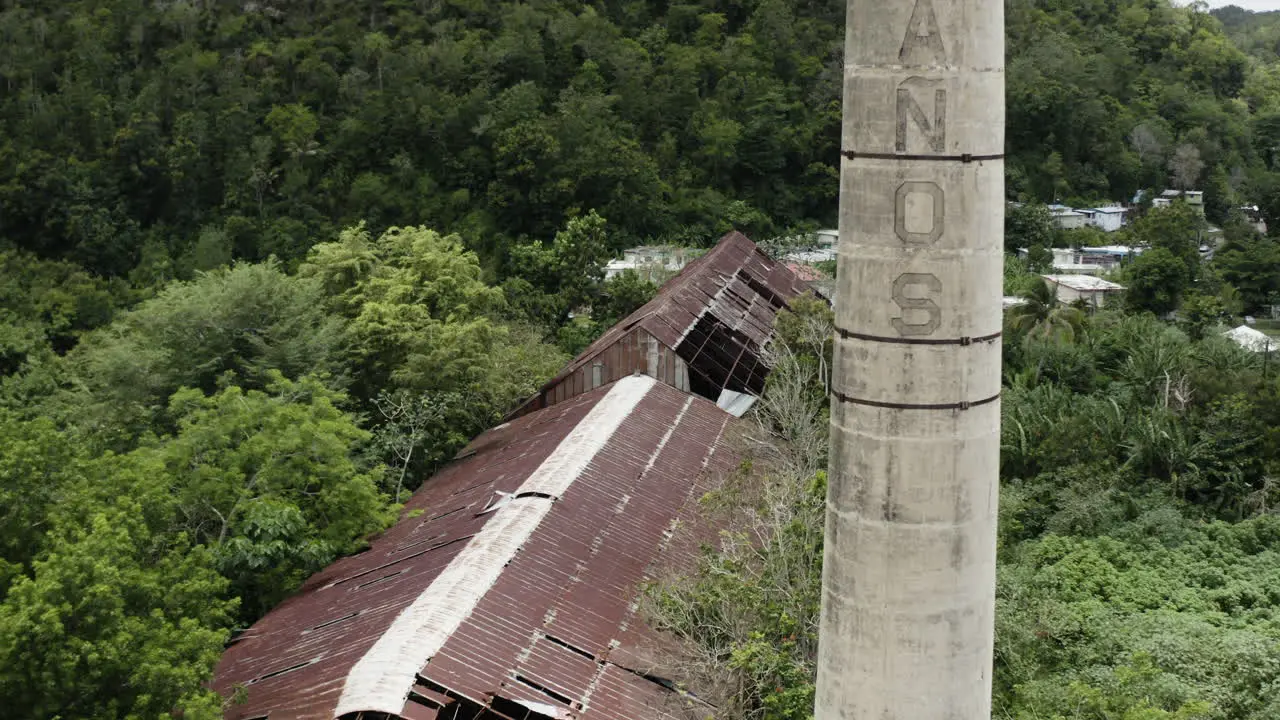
[
  {"x": 963, "y": 158},
  {"x": 914, "y": 406},
  {"x": 849, "y": 335}
]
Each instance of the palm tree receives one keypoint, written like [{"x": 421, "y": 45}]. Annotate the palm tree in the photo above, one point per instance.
[{"x": 1042, "y": 316}]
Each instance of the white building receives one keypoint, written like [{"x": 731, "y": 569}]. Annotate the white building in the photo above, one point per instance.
[
  {"x": 652, "y": 262},
  {"x": 1070, "y": 262},
  {"x": 1091, "y": 260},
  {"x": 1252, "y": 340},
  {"x": 1067, "y": 218},
  {"x": 828, "y": 239},
  {"x": 1108, "y": 219},
  {"x": 1093, "y": 290},
  {"x": 1194, "y": 198}
]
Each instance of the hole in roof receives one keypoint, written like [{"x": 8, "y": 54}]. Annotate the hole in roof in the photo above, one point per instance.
[
  {"x": 562, "y": 699},
  {"x": 469, "y": 488},
  {"x": 444, "y": 515},
  {"x": 534, "y": 493},
  {"x": 283, "y": 671},
  {"x": 511, "y": 709},
  {"x": 384, "y": 566},
  {"x": 544, "y": 689},
  {"x": 375, "y": 582},
  {"x": 429, "y": 698},
  {"x": 334, "y": 621},
  {"x": 567, "y": 646},
  {"x": 423, "y": 541}
]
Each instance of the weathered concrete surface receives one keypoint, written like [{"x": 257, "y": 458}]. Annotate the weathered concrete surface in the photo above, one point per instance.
[{"x": 909, "y": 573}]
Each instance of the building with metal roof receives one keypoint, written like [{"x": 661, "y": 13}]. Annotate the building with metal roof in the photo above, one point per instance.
[
  {"x": 702, "y": 333},
  {"x": 507, "y": 590},
  {"x": 1094, "y": 291}
]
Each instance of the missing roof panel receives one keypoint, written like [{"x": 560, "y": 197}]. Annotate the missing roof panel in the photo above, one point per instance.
[
  {"x": 283, "y": 671},
  {"x": 375, "y": 582},
  {"x": 334, "y": 621}
]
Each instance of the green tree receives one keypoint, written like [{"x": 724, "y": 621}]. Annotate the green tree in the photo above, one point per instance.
[
  {"x": 271, "y": 481},
  {"x": 1251, "y": 264},
  {"x": 565, "y": 275},
  {"x": 116, "y": 620},
  {"x": 1156, "y": 281},
  {"x": 232, "y": 326},
  {"x": 1042, "y": 316},
  {"x": 1177, "y": 228},
  {"x": 620, "y": 296},
  {"x": 1028, "y": 225},
  {"x": 38, "y": 468}
]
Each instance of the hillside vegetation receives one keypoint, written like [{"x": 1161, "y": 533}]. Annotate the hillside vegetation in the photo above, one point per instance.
[{"x": 265, "y": 265}]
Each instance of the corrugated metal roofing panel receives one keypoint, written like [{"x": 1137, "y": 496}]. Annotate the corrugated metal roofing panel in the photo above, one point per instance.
[{"x": 558, "y": 606}]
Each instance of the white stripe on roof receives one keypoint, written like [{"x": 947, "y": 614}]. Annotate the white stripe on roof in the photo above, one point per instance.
[{"x": 380, "y": 681}]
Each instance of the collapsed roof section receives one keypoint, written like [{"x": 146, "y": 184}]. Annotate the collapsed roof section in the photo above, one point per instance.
[
  {"x": 508, "y": 588},
  {"x": 703, "y": 332}
]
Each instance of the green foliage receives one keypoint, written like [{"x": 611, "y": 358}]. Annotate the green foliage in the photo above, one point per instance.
[
  {"x": 1156, "y": 280},
  {"x": 46, "y": 306},
  {"x": 424, "y": 335},
  {"x": 1042, "y": 316},
  {"x": 37, "y": 466},
  {"x": 135, "y": 124},
  {"x": 234, "y": 326},
  {"x": 270, "y": 480},
  {"x": 751, "y": 610},
  {"x": 1018, "y": 279},
  {"x": 1028, "y": 225},
  {"x": 116, "y": 620},
  {"x": 561, "y": 277},
  {"x": 1251, "y": 264},
  {"x": 1177, "y": 229},
  {"x": 1104, "y": 99}
]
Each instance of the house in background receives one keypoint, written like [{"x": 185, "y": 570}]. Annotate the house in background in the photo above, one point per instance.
[
  {"x": 1254, "y": 215},
  {"x": 819, "y": 246},
  {"x": 1094, "y": 291},
  {"x": 1252, "y": 340},
  {"x": 1067, "y": 218},
  {"x": 1108, "y": 219},
  {"x": 1092, "y": 260},
  {"x": 1194, "y": 198},
  {"x": 828, "y": 239},
  {"x": 654, "y": 263}
]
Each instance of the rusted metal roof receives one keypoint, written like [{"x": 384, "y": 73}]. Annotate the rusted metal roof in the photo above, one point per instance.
[
  {"x": 715, "y": 315},
  {"x": 508, "y": 587}
]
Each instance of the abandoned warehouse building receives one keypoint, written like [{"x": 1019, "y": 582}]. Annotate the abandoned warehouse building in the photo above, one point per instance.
[{"x": 509, "y": 589}]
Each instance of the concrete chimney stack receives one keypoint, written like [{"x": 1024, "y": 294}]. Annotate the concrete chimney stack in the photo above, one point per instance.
[{"x": 909, "y": 574}]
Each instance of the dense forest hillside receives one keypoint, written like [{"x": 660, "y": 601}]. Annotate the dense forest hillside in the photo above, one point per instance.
[
  {"x": 136, "y": 131},
  {"x": 168, "y": 136},
  {"x": 266, "y": 264}
]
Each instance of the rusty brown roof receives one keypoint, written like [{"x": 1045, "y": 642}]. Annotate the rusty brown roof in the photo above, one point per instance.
[{"x": 510, "y": 581}]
